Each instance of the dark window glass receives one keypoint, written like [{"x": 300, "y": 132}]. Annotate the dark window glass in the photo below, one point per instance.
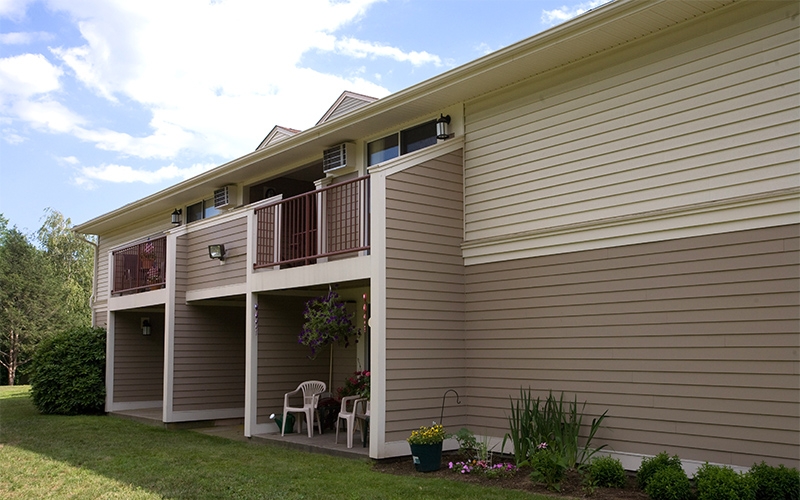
[
  {"x": 418, "y": 137},
  {"x": 194, "y": 212},
  {"x": 382, "y": 149}
]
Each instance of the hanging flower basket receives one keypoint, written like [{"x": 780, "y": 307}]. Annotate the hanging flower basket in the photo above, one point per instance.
[{"x": 326, "y": 322}]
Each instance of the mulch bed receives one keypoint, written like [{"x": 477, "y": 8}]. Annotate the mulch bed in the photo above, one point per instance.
[{"x": 571, "y": 487}]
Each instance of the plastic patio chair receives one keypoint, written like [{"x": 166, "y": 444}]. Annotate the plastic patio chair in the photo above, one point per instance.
[
  {"x": 311, "y": 390},
  {"x": 349, "y": 417}
]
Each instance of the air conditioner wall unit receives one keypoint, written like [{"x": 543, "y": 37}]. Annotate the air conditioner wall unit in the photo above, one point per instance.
[
  {"x": 339, "y": 156},
  {"x": 224, "y": 197}
]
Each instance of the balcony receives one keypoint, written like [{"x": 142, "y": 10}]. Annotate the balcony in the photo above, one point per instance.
[
  {"x": 314, "y": 227},
  {"x": 141, "y": 267}
]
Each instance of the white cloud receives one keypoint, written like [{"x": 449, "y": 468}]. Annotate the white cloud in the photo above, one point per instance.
[
  {"x": 70, "y": 160},
  {"x": 27, "y": 75},
  {"x": 565, "y": 13},
  {"x": 360, "y": 49},
  {"x": 14, "y": 9},
  {"x": 215, "y": 77},
  {"x": 24, "y": 38},
  {"x": 12, "y": 137},
  {"x": 126, "y": 174}
]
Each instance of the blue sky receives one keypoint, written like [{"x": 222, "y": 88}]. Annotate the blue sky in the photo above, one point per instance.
[{"x": 103, "y": 102}]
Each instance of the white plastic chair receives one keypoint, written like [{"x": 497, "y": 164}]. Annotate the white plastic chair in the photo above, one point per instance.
[
  {"x": 311, "y": 390},
  {"x": 349, "y": 417}
]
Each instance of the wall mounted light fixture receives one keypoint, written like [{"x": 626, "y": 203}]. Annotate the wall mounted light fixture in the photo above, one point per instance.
[
  {"x": 441, "y": 126},
  {"x": 146, "y": 326},
  {"x": 176, "y": 216},
  {"x": 217, "y": 252}
]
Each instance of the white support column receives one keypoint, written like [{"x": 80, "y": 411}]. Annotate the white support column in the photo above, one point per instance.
[
  {"x": 377, "y": 425},
  {"x": 109, "y": 360},
  {"x": 169, "y": 326}
]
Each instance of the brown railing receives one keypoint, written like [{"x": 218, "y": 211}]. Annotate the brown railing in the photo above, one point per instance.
[
  {"x": 142, "y": 267},
  {"x": 300, "y": 230}
]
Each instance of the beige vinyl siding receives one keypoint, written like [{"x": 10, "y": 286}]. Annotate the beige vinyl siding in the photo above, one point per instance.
[
  {"x": 283, "y": 363},
  {"x": 138, "y": 359},
  {"x": 209, "y": 347},
  {"x": 424, "y": 295},
  {"x": 691, "y": 344},
  {"x": 692, "y": 117},
  {"x": 204, "y": 272}
]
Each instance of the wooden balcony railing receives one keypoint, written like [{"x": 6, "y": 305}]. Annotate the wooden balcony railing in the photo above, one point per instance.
[
  {"x": 301, "y": 230},
  {"x": 141, "y": 267}
]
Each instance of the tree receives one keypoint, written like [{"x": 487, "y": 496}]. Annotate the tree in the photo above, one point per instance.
[
  {"x": 43, "y": 289},
  {"x": 25, "y": 281},
  {"x": 71, "y": 258}
]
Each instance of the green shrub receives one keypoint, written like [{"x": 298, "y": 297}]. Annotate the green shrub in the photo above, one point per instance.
[
  {"x": 606, "y": 472},
  {"x": 652, "y": 465},
  {"x": 68, "y": 372},
  {"x": 549, "y": 467},
  {"x": 716, "y": 482},
  {"x": 669, "y": 483},
  {"x": 775, "y": 483}
]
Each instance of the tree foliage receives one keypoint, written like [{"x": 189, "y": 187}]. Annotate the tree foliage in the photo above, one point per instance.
[{"x": 44, "y": 288}]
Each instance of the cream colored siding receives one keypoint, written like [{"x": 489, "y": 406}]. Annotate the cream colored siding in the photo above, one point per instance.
[
  {"x": 691, "y": 345},
  {"x": 138, "y": 359},
  {"x": 209, "y": 358},
  {"x": 283, "y": 363},
  {"x": 424, "y": 294},
  {"x": 204, "y": 272},
  {"x": 678, "y": 135}
]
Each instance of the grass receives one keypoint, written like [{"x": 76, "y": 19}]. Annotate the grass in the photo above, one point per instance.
[{"x": 99, "y": 457}]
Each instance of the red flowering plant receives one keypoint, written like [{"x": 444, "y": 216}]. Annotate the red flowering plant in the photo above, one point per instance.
[
  {"x": 327, "y": 321},
  {"x": 357, "y": 385}
]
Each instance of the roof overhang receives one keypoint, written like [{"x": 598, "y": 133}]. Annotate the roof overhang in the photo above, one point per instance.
[{"x": 612, "y": 25}]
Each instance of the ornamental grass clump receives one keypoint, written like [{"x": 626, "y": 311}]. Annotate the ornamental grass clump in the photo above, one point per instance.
[
  {"x": 327, "y": 321},
  {"x": 433, "y": 434}
]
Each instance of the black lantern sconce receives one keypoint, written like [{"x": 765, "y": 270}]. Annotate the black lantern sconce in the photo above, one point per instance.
[
  {"x": 217, "y": 252},
  {"x": 146, "y": 330},
  {"x": 176, "y": 216},
  {"x": 441, "y": 127}
]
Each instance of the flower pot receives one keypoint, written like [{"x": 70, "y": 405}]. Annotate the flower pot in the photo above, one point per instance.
[{"x": 427, "y": 457}]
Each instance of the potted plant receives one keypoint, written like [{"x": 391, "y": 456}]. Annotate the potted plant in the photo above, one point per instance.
[
  {"x": 426, "y": 447},
  {"x": 357, "y": 385},
  {"x": 326, "y": 322}
]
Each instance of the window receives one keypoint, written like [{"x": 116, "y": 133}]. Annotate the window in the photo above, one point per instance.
[
  {"x": 201, "y": 210},
  {"x": 406, "y": 141},
  {"x": 383, "y": 149}
]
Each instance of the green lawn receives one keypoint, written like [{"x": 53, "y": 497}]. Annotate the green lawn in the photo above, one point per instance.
[{"x": 46, "y": 456}]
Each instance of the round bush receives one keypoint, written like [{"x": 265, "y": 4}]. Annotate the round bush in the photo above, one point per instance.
[
  {"x": 669, "y": 483},
  {"x": 775, "y": 483},
  {"x": 654, "y": 464},
  {"x": 607, "y": 472},
  {"x": 68, "y": 372},
  {"x": 723, "y": 483}
]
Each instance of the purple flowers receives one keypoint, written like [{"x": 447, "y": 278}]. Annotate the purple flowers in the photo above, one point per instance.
[
  {"x": 484, "y": 467},
  {"x": 326, "y": 321}
]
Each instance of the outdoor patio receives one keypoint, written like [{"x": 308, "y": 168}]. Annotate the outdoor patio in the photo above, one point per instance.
[{"x": 234, "y": 429}]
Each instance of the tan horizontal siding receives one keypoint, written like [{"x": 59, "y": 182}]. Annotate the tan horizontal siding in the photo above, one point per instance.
[
  {"x": 424, "y": 294},
  {"x": 283, "y": 363},
  {"x": 138, "y": 359},
  {"x": 209, "y": 345},
  {"x": 692, "y": 345},
  {"x": 204, "y": 272},
  {"x": 678, "y": 126}
]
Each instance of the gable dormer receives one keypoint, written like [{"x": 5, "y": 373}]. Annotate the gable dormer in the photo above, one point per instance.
[
  {"x": 346, "y": 102},
  {"x": 277, "y": 134}
]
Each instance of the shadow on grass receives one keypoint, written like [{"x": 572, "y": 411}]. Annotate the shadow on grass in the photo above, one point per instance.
[{"x": 136, "y": 460}]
